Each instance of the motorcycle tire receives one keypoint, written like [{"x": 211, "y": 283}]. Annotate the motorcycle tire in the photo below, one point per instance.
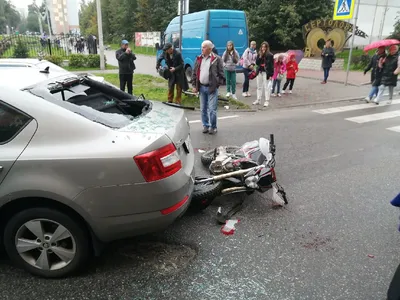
[
  {"x": 205, "y": 193},
  {"x": 208, "y": 156}
]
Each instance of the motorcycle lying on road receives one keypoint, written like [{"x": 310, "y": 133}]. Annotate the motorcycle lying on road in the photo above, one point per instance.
[{"x": 244, "y": 169}]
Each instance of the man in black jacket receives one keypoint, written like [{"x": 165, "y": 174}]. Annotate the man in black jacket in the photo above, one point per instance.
[
  {"x": 376, "y": 76},
  {"x": 126, "y": 65},
  {"x": 174, "y": 62}
]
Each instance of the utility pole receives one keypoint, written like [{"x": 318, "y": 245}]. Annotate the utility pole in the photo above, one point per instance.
[
  {"x": 373, "y": 22},
  {"x": 64, "y": 26},
  {"x": 352, "y": 41},
  {"x": 383, "y": 19},
  {"x": 181, "y": 3},
  {"x": 48, "y": 18},
  {"x": 100, "y": 28}
]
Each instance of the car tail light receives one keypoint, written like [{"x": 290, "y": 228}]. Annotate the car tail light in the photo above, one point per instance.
[{"x": 159, "y": 164}]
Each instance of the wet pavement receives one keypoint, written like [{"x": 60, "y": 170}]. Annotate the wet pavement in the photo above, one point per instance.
[{"x": 337, "y": 238}]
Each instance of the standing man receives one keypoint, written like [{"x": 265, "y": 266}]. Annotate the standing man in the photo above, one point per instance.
[
  {"x": 208, "y": 75},
  {"x": 375, "y": 77},
  {"x": 328, "y": 58},
  {"x": 126, "y": 65},
  {"x": 174, "y": 61}
]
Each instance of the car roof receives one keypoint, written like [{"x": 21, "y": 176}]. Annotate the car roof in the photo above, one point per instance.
[
  {"x": 32, "y": 61},
  {"x": 23, "y": 78}
]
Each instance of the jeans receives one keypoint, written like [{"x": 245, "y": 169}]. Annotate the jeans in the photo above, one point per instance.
[
  {"x": 126, "y": 80},
  {"x": 277, "y": 84},
  {"x": 373, "y": 92},
  {"x": 208, "y": 107},
  {"x": 289, "y": 82},
  {"x": 230, "y": 81},
  {"x": 382, "y": 90},
  {"x": 262, "y": 83},
  {"x": 326, "y": 74},
  {"x": 246, "y": 80}
]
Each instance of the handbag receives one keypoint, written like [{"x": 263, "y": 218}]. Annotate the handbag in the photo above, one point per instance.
[{"x": 280, "y": 77}]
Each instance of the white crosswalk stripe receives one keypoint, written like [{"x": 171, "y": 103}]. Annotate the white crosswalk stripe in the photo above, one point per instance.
[{"x": 365, "y": 114}]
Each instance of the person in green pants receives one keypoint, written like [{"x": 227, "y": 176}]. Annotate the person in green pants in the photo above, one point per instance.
[{"x": 230, "y": 60}]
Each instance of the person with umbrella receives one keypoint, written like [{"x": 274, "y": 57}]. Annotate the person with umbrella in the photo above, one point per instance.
[
  {"x": 375, "y": 77},
  {"x": 390, "y": 67},
  {"x": 177, "y": 78}
]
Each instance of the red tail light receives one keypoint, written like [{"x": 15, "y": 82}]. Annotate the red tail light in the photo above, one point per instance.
[{"x": 159, "y": 164}]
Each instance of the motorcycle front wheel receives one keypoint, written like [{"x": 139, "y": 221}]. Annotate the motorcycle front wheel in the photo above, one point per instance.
[
  {"x": 208, "y": 156},
  {"x": 205, "y": 193}
]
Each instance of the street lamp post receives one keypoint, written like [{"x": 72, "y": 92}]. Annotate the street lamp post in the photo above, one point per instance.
[
  {"x": 352, "y": 41},
  {"x": 100, "y": 28}
]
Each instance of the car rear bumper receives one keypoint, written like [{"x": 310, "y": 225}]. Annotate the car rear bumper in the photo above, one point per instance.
[{"x": 118, "y": 227}]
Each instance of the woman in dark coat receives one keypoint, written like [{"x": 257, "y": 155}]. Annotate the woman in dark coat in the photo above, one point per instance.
[
  {"x": 390, "y": 69},
  {"x": 328, "y": 58},
  {"x": 376, "y": 73},
  {"x": 174, "y": 61}
]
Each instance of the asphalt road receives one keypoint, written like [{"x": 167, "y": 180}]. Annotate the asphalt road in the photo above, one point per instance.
[{"x": 337, "y": 238}]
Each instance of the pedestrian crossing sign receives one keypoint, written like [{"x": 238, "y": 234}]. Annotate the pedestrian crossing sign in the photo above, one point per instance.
[{"x": 343, "y": 9}]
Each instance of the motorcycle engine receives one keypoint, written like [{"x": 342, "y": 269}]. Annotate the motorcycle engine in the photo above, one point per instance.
[
  {"x": 222, "y": 163},
  {"x": 251, "y": 182}
]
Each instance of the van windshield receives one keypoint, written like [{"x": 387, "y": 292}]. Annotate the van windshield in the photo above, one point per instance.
[{"x": 96, "y": 101}]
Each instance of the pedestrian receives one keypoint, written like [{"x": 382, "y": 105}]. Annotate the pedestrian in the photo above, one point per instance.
[
  {"x": 328, "y": 58},
  {"x": 126, "y": 65},
  {"x": 390, "y": 66},
  {"x": 265, "y": 71},
  {"x": 376, "y": 73},
  {"x": 208, "y": 75},
  {"x": 248, "y": 63},
  {"x": 178, "y": 80},
  {"x": 230, "y": 60},
  {"x": 279, "y": 73},
  {"x": 291, "y": 68}
]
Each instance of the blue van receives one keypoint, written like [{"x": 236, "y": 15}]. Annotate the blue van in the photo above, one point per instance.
[{"x": 217, "y": 25}]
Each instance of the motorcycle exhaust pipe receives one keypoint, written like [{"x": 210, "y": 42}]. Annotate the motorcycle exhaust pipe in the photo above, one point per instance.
[
  {"x": 233, "y": 190},
  {"x": 227, "y": 175}
]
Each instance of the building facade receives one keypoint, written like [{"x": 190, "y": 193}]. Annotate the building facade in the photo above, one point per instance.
[{"x": 64, "y": 16}]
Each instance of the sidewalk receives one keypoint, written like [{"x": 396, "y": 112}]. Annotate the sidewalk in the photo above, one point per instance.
[{"x": 338, "y": 76}]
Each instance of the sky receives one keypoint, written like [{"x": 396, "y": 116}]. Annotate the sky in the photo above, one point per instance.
[{"x": 365, "y": 19}]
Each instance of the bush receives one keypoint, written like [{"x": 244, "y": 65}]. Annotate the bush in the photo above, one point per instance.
[
  {"x": 360, "y": 62},
  {"x": 77, "y": 60},
  {"x": 21, "y": 50},
  {"x": 55, "y": 59},
  {"x": 82, "y": 60}
]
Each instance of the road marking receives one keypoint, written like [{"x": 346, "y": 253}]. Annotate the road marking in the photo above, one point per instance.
[
  {"x": 339, "y": 109},
  {"x": 221, "y": 118},
  {"x": 375, "y": 117},
  {"x": 395, "y": 128}
]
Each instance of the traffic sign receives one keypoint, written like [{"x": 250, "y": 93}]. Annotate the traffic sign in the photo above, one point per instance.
[{"x": 343, "y": 9}]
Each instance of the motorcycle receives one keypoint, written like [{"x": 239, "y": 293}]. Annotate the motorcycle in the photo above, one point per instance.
[{"x": 235, "y": 169}]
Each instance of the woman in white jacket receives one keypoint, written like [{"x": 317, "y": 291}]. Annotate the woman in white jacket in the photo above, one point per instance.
[
  {"x": 249, "y": 61},
  {"x": 230, "y": 60}
]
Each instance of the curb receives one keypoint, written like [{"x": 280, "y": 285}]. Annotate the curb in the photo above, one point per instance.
[{"x": 334, "y": 81}]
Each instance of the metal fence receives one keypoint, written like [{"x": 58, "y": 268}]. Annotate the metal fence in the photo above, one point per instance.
[{"x": 39, "y": 46}]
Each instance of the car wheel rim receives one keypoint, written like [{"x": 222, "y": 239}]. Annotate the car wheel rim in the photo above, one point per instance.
[{"x": 45, "y": 244}]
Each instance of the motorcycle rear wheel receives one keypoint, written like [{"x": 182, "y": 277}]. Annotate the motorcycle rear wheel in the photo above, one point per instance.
[
  {"x": 205, "y": 193},
  {"x": 208, "y": 156}
]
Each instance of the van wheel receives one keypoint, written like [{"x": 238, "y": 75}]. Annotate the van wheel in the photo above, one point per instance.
[
  {"x": 46, "y": 242},
  {"x": 189, "y": 73}
]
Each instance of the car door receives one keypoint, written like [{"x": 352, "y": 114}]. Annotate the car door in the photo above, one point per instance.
[{"x": 16, "y": 130}]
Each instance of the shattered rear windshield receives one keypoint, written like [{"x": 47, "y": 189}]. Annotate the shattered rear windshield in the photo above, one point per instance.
[{"x": 98, "y": 102}]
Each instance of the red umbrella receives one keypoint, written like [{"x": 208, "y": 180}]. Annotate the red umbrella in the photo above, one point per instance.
[{"x": 382, "y": 43}]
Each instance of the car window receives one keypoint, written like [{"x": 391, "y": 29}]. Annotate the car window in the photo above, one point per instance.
[{"x": 12, "y": 122}]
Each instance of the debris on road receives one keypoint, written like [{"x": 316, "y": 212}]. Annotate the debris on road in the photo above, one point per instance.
[
  {"x": 229, "y": 227},
  {"x": 371, "y": 256}
]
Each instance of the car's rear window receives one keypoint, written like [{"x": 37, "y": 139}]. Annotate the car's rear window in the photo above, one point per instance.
[{"x": 101, "y": 103}]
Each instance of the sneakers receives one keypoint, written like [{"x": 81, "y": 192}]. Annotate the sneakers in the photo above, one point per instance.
[
  {"x": 244, "y": 94},
  {"x": 205, "y": 130},
  {"x": 248, "y": 94},
  {"x": 273, "y": 95},
  {"x": 367, "y": 99},
  {"x": 266, "y": 103},
  {"x": 212, "y": 131},
  {"x": 323, "y": 82},
  {"x": 257, "y": 102},
  {"x": 234, "y": 97},
  {"x": 283, "y": 92},
  {"x": 228, "y": 95},
  {"x": 389, "y": 102},
  {"x": 279, "y": 95},
  {"x": 290, "y": 92}
]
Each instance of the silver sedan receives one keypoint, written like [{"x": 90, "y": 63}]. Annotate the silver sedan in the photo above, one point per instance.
[{"x": 83, "y": 163}]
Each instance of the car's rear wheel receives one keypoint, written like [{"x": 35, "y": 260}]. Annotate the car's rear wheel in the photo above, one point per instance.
[
  {"x": 189, "y": 72},
  {"x": 46, "y": 242}
]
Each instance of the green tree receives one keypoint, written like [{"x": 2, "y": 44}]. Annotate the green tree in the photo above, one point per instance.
[
  {"x": 21, "y": 50},
  {"x": 396, "y": 30},
  {"x": 8, "y": 15}
]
